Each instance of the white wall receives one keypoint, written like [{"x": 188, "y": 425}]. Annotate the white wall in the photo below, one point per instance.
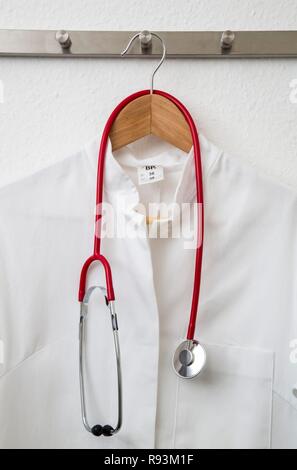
[{"x": 51, "y": 107}]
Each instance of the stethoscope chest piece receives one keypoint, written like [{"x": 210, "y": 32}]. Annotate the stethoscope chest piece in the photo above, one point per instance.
[{"x": 189, "y": 359}]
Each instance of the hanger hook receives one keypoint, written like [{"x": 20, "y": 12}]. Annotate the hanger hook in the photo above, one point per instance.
[{"x": 162, "y": 58}]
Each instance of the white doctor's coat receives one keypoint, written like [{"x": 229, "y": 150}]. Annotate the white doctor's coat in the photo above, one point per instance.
[{"x": 247, "y": 318}]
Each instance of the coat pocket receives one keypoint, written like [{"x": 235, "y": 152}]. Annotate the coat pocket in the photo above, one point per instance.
[{"x": 228, "y": 406}]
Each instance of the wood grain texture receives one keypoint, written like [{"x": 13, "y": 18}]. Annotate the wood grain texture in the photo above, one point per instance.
[
  {"x": 132, "y": 123},
  {"x": 169, "y": 124},
  {"x": 151, "y": 114}
]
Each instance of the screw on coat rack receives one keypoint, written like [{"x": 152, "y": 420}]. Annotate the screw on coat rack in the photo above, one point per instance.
[
  {"x": 63, "y": 39},
  {"x": 227, "y": 40},
  {"x": 145, "y": 39}
]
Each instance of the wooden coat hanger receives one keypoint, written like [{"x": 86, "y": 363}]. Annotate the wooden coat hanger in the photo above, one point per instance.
[{"x": 151, "y": 114}]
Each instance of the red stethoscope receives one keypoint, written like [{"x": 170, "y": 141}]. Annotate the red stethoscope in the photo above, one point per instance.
[{"x": 189, "y": 357}]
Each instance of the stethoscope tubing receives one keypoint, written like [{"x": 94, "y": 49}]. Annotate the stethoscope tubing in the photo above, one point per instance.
[{"x": 97, "y": 256}]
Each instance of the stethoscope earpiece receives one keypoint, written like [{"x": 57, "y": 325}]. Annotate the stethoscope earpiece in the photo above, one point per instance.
[
  {"x": 99, "y": 430},
  {"x": 189, "y": 359}
]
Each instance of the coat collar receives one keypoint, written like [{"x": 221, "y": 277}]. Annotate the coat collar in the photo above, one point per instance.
[{"x": 118, "y": 184}]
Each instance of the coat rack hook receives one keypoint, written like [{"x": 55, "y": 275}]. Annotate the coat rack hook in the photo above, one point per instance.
[
  {"x": 145, "y": 39},
  {"x": 63, "y": 39},
  {"x": 146, "y": 34},
  {"x": 227, "y": 39}
]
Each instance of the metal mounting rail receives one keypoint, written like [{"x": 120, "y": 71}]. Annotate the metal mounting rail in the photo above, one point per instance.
[{"x": 179, "y": 44}]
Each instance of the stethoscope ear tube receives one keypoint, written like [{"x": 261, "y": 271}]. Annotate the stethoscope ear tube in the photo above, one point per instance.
[
  {"x": 199, "y": 190},
  {"x": 98, "y": 429},
  {"x": 108, "y": 277}
]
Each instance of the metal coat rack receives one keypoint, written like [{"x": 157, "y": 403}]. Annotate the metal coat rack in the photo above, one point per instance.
[{"x": 179, "y": 44}]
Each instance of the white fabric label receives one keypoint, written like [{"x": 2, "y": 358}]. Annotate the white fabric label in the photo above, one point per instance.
[{"x": 150, "y": 174}]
